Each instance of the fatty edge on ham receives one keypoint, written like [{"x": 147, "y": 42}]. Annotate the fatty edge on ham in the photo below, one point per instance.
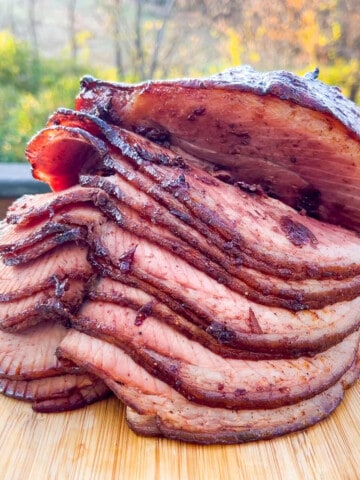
[
  {"x": 162, "y": 270},
  {"x": 272, "y": 129}
]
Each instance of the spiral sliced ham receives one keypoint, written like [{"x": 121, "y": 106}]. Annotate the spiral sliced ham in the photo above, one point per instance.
[{"x": 160, "y": 268}]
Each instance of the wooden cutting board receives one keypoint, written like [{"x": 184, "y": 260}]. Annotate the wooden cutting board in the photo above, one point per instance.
[{"x": 95, "y": 443}]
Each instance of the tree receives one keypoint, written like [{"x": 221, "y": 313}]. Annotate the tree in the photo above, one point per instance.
[
  {"x": 137, "y": 33},
  {"x": 33, "y": 24},
  {"x": 149, "y": 61},
  {"x": 346, "y": 46},
  {"x": 71, "y": 10},
  {"x": 141, "y": 39},
  {"x": 112, "y": 10}
]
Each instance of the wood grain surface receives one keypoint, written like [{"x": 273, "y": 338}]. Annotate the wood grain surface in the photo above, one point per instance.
[{"x": 95, "y": 443}]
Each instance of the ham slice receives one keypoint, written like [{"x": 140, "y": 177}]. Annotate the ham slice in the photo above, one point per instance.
[
  {"x": 179, "y": 420},
  {"x": 56, "y": 394},
  {"x": 22, "y": 359}
]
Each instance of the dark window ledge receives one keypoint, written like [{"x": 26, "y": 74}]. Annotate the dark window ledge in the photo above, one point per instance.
[{"x": 16, "y": 180}]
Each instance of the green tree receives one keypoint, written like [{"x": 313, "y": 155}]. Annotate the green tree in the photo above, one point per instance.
[{"x": 30, "y": 93}]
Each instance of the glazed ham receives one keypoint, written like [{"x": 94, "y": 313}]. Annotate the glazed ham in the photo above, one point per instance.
[{"x": 161, "y": 269}]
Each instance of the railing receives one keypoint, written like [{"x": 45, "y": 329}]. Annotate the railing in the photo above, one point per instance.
[{"x": 16, "y": 180}]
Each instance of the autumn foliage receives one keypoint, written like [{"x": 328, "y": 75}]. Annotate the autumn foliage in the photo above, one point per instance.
[{"x": 134, "y": 40}]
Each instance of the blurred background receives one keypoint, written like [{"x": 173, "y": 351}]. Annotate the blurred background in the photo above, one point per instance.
[{"x": 46, "y": 46}]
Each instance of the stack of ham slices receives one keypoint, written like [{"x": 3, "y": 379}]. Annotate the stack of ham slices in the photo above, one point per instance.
[{"x": 199, "y": 256}]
